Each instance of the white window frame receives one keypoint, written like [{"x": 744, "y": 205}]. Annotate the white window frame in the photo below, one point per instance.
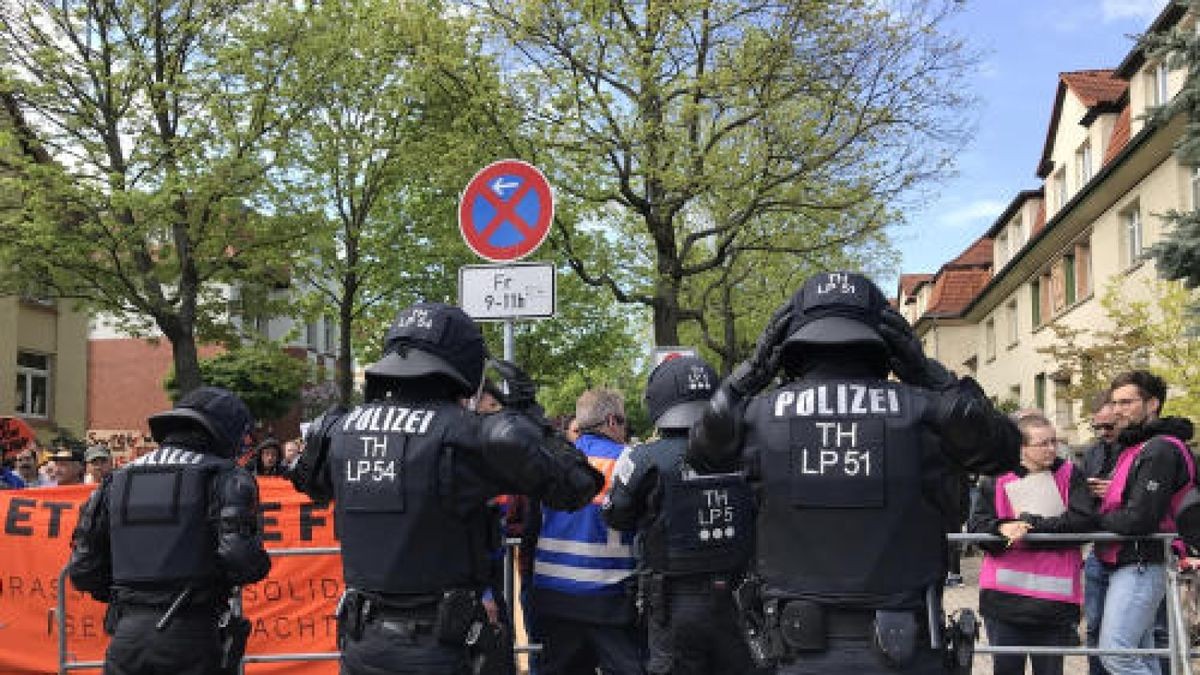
[
  {"x": 330, "y": 335},
  {"x": 1195, "y": 179},
  {"x": 1132, "y": 234},
  {"x": 1160, "y": 83},
  {"x": 1002, "y": 251},
  {"x": 1018, "y": 236},
  {"x": 1083, "y": 163},
  {"x": 23, "y": 405},
  {"x": 1060, "y": 188}
]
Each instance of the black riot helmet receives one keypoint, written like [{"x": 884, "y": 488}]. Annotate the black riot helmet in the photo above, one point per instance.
[
  {"x": 431, "y": 340},
  {"x": 835, "y": 313},
  {"x": 678, "y": 391},
  {"x": 218, "y": 412}
]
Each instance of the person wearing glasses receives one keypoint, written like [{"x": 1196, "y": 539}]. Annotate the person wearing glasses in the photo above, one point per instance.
[
  {"x": 1150, "y": 478},
  {"x": 1030, "y": 595},
  {"x": 1096, "y": 465},
  {"x": 582, "y": 569}
]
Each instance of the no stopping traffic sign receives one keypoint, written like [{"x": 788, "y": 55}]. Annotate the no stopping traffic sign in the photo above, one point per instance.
[{"x": 506, "y": 211}]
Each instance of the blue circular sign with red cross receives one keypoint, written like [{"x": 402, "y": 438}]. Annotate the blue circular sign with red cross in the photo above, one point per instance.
[{"x": 506, "y": 211}]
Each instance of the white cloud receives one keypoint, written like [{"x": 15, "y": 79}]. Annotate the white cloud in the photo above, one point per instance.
[
  {"x": 1119, "y": 10},
  {"x": 980, "y": 211}
]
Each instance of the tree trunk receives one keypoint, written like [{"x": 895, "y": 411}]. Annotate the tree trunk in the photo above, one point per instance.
[
  {"x": 666, "y": 313},
  {"x": 187, "y": 361},
  {"x": 345, "y": 373}
]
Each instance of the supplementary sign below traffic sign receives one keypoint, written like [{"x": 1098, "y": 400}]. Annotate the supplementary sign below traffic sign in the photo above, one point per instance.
[
  {"x": 498, "y": 292},
  {"x": 506, "y": 211}
]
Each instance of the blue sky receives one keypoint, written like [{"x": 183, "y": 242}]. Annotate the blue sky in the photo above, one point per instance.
[{"x": 1024, "y": 44}]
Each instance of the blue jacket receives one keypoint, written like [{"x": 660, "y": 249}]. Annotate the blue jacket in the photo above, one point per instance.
[{"x": 582, "y": 568}]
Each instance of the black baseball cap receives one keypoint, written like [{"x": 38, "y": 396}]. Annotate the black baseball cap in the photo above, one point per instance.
[
  {"x": 678, "y": 391},
  {"x": 432, "y": 338},
  {"x": 217, "y": 411},
  {"x": 837, "y": 308}
]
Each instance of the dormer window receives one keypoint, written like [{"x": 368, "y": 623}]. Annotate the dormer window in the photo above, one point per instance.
[
  {"x": 1157, "y": 82},
  {"x": 1060, "y": 188},
  {"x": 1083, "y": 163},
  {"x": 1002, "y": 249},
  {"x": 1019, "y": 237}
]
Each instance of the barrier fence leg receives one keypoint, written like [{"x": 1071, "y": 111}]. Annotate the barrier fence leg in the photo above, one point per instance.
[
  {"x": 60, "y": 620},
  {"x": 1177, "y": 633}
]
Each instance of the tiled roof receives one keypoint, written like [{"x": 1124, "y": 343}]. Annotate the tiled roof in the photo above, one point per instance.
[
  {"x": 955, "y": 288},
  {"x": 909, "y": 283},
  {"x": 1094, "y": 87},
  {"x": 1120, "y": 136},
  {"x": 979, "y": 253}
]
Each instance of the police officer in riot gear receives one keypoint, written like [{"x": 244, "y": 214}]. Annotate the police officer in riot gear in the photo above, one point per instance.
[
  {"x": 847, "y": 464},
  {"x": 694, "y": 531},
  {"x": 164, "y": 539},
  {"x": 411, "y": 471}
]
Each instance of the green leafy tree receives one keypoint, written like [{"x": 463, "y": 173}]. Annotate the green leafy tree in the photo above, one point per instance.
[
  {"x": 1143, "y": 334},
  {"x": 1178, "y": 254},
  {"x": 142, "y": 136},
  {"x": 679, "y": 129},
  {"x": 262, "y": 374}
]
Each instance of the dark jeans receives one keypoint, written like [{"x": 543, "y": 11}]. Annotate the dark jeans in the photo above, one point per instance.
[
  {"x": 858, "y": 657},
  {"x": 576, "y": 648},
  {"x": 187, "y": 646},
  {"x": 701, "y": 636},
  {"x": 391, "y": 646},
  {"x": 1002, "y": 633}
]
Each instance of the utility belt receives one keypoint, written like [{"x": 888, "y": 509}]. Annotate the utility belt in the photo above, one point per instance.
[
  {"x": 455, "y": 618},
  {"x": 224, "y": 610},
  {"x": 655, "y": 590},
  {"x": 784, "y": 629}
]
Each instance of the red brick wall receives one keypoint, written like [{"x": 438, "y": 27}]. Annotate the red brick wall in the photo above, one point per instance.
[{"x": 124, "y": 382}]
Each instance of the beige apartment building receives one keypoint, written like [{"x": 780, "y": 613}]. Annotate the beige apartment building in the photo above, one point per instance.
[
  {"x": 1106, "y": 176},
  {"x": 43, "y": 360}
]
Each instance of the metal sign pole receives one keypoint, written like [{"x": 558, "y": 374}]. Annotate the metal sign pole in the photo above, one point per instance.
[{"x": 510, "y": 347}]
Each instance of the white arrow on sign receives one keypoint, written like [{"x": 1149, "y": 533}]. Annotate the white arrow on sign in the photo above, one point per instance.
[{"x": 499, "y": 186}]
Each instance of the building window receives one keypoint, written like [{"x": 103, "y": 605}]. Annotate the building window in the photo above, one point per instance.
[
  {"x": 1131, "y": 235},
  {"x": 1039, "y": 391},
  {"x": 1158, "y": 84},
  {"x": 1083, "y": 269},
  {"x": 1018, "y": 234},
  {"x": 331, "y": 345},
  {"x": 1001, "y": 249},
  {"x": 1035, "y": 302},
  {"x": 1196, "y": 188},
  {"x": 989, "y": 339},
  {"x": 33, "y": 385},
  {"x": 1013, "y": 324},
  {"x": 1068, "y": 263},
  {"x": 1063, "y": 417},
  {"x": 1083, "y": 163},
  {"x": 310, "y": 336},
  {"x": 1060, "y": 189}
]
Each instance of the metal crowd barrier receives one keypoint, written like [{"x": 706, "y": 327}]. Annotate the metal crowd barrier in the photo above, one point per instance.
[{"x": 1178, "y": 647}]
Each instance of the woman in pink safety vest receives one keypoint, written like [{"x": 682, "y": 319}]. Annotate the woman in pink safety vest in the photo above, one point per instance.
[{"x": 1030, "y": 594}]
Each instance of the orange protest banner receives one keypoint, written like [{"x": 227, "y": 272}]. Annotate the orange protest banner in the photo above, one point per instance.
[{"x": 292, "y": 609}]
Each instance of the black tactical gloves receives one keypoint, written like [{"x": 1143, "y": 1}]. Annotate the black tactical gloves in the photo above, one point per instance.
[
  {"x": 907, "y": 359},
  {"x": 517, "y": 389},
  {"x": 755, "y": 373}
]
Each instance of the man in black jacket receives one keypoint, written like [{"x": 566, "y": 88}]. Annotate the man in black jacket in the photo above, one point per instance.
[
  {"x": 848, "y": 470},
  {"x": 1151, "y": 475},
  {"x": 411, "y": 472},
  {"x": 694, "y": 532},
  {"x": 165, "y": 538}
]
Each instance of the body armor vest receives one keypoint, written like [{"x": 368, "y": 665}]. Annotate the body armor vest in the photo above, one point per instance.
[
  {"x": 704, "y": 524},
  {"x": 849, "y": 509},
  {"x": 394, "y": 485},
  {"x": 159, "y": 518}
]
